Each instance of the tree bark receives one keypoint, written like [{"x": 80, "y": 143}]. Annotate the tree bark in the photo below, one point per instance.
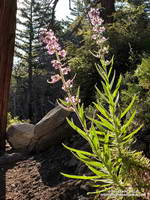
[
  {"x": 7, "y": 41},
  {"x": 109, "y": 9}
]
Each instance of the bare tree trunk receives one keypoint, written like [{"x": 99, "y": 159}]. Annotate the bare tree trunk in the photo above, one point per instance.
[{"x": 7, "y": 40}]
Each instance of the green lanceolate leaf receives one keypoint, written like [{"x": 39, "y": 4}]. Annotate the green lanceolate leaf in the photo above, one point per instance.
[
  {"x": 102, "y": 95},
  {"x": 101, "y": 191},
  {"x": 104, "y": 125},
  {"x": 106, "y": 89},
  {"x": 80, "y": 177},
  {"x": 124, "y": 128},
  {"x": 102, "y": 73},
  {"x": 132, "y": 133},
  {"x": 84, "y": 156},
  {"x": 98, "y": 165},
  {"x": 129, "y": 107},
  {"x": 109, "y": 72},
  {"x": 82, "y": 115},
  {"x": 80, "y": 151},
  {"x": 100, "y": 186},
  {"x": 76, "y": 128},
  {"x": 106, "y": 122},
  {"x": 78, "y": 92},
  {"x": 98, "y": 172},
  {"x": 117, "y": 87},
  {"x": 117, "y": 99},
  {"x": 113, "y": 79},
  {"x": 106, "y": 181},
  {"x": 94, "y": 138},
  {"x": 102, "y": 110},
  {"x": 107, "y": 92},
  {"x": 107, "y": 152}
]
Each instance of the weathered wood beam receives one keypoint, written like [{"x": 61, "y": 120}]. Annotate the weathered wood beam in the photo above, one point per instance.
[{"x": 7, "y": 41}]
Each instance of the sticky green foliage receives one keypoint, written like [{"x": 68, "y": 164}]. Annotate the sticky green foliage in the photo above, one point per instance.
[{"x": 112, "y": 164}]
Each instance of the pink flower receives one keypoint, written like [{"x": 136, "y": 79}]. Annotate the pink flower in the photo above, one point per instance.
[
  {"x": 98, "y": 30},
  {"x": 51, "y": 51},
  {"x": 73, "y": 100},
  {"x": 94, "y": 37},
  {"x": 51, "y": 42},
  {"x": 101, "y": 40},
  {"x": 94, "y": 12},
  {"x": 65, "y": 70},
  {"x": 94, "y": 16},
  {"x": 67, "y": 85},
  {"x": 55, "y": 78},
  {"x": 53, "y": 47},
  {"x": 62, "y": 53},
  {"x": 56, "y": 64}
]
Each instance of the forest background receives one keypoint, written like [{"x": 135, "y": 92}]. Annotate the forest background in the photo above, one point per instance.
[{"x": 128, "y": 32}]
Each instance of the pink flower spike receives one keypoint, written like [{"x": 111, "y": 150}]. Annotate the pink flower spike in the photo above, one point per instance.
[
  {"x": 55, "y": 78},
  {"x": 62, "y": 53}
]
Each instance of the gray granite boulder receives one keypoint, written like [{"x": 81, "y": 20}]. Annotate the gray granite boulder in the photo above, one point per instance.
[
  {"x": 20, "y": 135},
  {"x": 48, "y": 131},
  {"x": 51, "y": 121}
]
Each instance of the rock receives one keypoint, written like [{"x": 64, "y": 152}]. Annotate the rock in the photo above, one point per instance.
[
  {"x": 48, "y": 131},
  {"x": 54, "y": 137},
  {"x": 11, "y": 158},
  {"x": 50, "y": 122},
  {"x": 20, "y": 135},
  {"x": 51, "y": 129}
]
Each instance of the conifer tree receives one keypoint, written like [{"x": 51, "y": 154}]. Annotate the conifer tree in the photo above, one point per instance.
[{"x": 33, "y": 16}]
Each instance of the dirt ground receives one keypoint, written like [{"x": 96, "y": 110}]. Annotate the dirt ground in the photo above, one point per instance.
[{"x": 38, "y": 177}]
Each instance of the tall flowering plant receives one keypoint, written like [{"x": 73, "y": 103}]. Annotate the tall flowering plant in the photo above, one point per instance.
[
  {"x": 116, "y": 171},
  {"x": 53, "y": 48}
]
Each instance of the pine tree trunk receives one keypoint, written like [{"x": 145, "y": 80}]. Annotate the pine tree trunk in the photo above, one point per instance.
[
  {"x": 109, "y": 8},
  {"x": 7, "y": 40}
]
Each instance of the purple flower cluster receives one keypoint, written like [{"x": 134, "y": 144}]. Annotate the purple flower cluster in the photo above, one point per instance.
[
  {"x": 73, "y": 100},
  {"x": 94, "y": 17},
  {"x": 53, "y": 47},
  {"x": 51, "y": 42},
  {"x": 98, "y": 30}
]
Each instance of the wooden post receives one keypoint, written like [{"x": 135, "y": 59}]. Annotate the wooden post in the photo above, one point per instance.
[{"x": 7, "y": 41}]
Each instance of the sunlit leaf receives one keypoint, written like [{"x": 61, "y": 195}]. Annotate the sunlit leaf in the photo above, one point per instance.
[
  {"x": 129, "y": 107},
  {"x": 80, "y": 177},
  {"x": 125, "y": 126}
]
